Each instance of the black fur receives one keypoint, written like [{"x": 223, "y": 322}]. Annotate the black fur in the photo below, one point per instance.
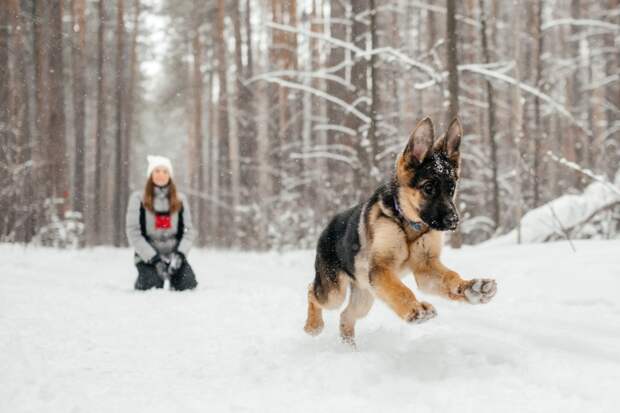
[
  {"x": 339, "y": 242},
  {"x": 438, "y": 209}
]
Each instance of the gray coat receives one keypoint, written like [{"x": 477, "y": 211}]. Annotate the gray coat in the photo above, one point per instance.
[{"x": 158, "y": 240}]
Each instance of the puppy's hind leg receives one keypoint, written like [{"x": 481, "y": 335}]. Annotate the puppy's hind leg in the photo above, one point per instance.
[
  {"x": 360, "y": 302},
  {"x": 324, "y": 293},
  {"x": 314, "y": 322}
]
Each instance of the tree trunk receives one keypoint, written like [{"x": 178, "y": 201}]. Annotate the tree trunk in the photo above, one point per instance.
[
  {"x": 359, "y": 142},
  {"x": 307, "y": 188},
  {"x": 612, "y": 97},
  {"x": 249, "y": 144},
  {"x": 225, "y": 232},
  {"x": 130, "y": 102},
  {"x": 59, "y": 164},
  {"x": 539, "y": 136},
  {"x": 196, "y": 139},
  {"x": 215, "y": 217},
  {"x": 456, "y": 240},
  {"x": 516, "y": 123},
  {"x": 21, "y": 109},
  {"x": 264, "y": 162},
  {"x": 574, "y": 142},
  {"x": 238, "y": 133},
  {"x": 265, "y": 179},
  {"x": 373, "y": 138},
  {"x": 78, "y": 38},
  {"x": 432, "y": 30},
  {"x": 333, "y": 187},
  {"x": 42, "y": 109},
  {"x": 100, "y": 128},
  {"x": 248, "y": 31},
  {"x": 490, "y": 117},
  {"x": 120, "y": 181},
  {"x": 335, "y": 58},
  {"x": 7, "y": 136},
  {"x": 245, "y": 128}
]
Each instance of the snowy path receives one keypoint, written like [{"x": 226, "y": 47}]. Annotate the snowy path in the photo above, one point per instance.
[{"x": 74, "y": 337}]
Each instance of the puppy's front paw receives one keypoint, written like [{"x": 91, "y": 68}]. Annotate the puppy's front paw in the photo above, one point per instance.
[
  {"x": 421, "y": 312},
  {"x": 480, "y": 291}
]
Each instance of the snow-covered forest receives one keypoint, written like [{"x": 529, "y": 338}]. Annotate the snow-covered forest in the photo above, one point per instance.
[
  {"x": 276, "y": 115},
  {"x": 279, "y": 113}
]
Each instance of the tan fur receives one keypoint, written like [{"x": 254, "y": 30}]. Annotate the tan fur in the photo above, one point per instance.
[
  {"x": 430, "y": 274},
  {"x": 387, "y": 253},
  {"x": 403, "y": 173},
  {"x": 360, "y": 303},
  {"x": 314, "y": 321},
  {"x": 389, "y": 246},
  {"x": 388, "y": 250},
  {"x": 410, "y": 200},
  {"x": 389, "y": 288},
  {"x": 373, "y": 215},
  {"x": 336, "y": 295},
  {"x": 334, "y": 299}
]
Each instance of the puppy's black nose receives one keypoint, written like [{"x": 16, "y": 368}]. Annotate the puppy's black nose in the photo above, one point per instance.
[{"x": 450, "y": 221}]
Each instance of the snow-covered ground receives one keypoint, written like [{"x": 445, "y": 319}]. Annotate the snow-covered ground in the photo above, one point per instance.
[{"x": 75, "y": 337}]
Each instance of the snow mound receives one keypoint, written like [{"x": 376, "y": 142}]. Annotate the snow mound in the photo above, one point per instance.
[{"x": 562, "y": 215}]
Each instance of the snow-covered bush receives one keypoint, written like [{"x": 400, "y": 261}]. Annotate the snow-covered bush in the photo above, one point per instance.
[{"x": 65, "y": 232}]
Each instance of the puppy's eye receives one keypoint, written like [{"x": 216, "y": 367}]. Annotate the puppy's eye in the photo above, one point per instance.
[
  {"x": 451, "y": 188},
  {"x": 429, "y": 189}
]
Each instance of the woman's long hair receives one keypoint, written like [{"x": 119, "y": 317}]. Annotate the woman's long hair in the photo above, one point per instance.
[{"x": 149, "y": 193}]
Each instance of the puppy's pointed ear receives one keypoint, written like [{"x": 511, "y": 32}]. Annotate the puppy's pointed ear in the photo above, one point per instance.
[
  {"x": 420, "y": 142},
  {"x": 452, "y": 144}
]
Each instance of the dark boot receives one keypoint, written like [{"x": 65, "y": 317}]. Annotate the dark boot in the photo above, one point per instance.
[
  {"x": 184, "y": 279},
  {"x": 147, "y": 277}
]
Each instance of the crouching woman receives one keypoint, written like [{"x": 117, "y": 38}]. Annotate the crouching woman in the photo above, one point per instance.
[{"x": 159, "y": 228}]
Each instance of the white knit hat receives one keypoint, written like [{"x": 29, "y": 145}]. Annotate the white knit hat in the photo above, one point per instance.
[{"x": 155, "y": 161}]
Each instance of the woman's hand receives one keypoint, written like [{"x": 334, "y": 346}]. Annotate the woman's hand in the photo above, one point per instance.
[
  {"x": 161, "y": 266},
  {"x": 176, "y": 262}
]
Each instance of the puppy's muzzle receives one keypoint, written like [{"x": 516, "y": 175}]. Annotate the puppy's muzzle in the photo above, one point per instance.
[{"x": 450, "y": 221}]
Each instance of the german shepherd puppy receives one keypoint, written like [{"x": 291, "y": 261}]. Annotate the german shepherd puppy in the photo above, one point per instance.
[{"x": 371, "y": 246}]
